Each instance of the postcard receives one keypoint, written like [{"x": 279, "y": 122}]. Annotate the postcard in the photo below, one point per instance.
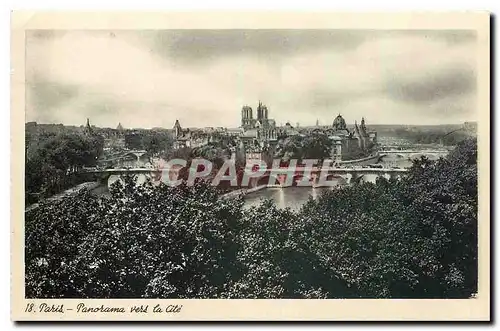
[{"x": 250, "y": 166}]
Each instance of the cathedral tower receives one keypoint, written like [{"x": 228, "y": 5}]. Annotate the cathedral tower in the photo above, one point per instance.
[
  {"x": 260, "y": 111},
  {"x": 246, "y": 117}
]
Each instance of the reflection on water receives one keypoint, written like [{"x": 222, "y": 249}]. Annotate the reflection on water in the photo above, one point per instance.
[
  {"x": 290, "y": 197},
  {"x": 295, "y": 197}
]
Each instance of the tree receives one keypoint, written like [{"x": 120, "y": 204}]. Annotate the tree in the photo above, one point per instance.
[
  {"x": 317, "y": 145},
  {"x": 53, "y": 160},
  {"x": 143, "y": 241},
  {"x": 216, "y": 153},
  {"x": 413, "y": 238},
  {"x": 133, "y": 141},
  {"x": 408, "y": 239},
  {"x": 156, "y": 143}
]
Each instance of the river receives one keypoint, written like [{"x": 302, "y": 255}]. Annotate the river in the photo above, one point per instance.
[
  {"x": 295, "y": 197},
  {"x": 292, "y": 197}
]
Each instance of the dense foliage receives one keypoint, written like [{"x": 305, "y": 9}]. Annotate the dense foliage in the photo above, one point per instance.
[
  {"x": 52, "y": 162},
  {"x": 152, "y": 142},
  {"x": 415, "y": 238},
  {"x": 313, "y": 146},
  {"x": 217, "y": 153}
]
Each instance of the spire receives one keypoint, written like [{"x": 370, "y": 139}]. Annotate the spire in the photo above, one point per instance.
[
  {"x": 88, "y": 128},
  {"x": 363, "y": 127},
  {"x": 177, "y": 129}
]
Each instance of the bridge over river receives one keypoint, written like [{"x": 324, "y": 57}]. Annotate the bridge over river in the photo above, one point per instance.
[
  {"x": 281, "y": 176},
  {"x": 432, "y": 154}
]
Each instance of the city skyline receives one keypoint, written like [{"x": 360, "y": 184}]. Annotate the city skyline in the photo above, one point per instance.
[
  {"x": 204, "y": 77},
  {"x": 238, "y": 125}
]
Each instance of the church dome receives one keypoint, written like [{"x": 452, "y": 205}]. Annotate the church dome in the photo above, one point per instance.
[{"x": 339, "y": 123}]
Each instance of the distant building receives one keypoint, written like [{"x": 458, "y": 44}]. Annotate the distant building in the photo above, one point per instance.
[
  {"x": 181, "y": 137},
  {"x": 262, "y": 127},
  {"x": 88, "y": 129},
  {"x": 257, "y": 138},
  {"x": 288, "y": 130},
  {"x": 198, "y": 137},
  {"x": 260, "y": 135},
  {"x": 114, "y": 139},
  {"x": 349, "y": 144}
]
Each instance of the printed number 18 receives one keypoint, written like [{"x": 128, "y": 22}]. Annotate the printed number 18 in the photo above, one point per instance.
[{"x": 29, "y": 308}]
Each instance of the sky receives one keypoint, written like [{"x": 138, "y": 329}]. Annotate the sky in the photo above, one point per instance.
[{"x": 150, "y": 78}]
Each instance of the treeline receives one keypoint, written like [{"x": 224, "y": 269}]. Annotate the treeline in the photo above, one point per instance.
[
  {"x": 53, "y": 160},
  {"x": 152, "y": 142},
  {"x": 413, "y": 238}
]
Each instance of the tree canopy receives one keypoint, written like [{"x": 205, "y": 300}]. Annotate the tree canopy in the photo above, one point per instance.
[
  {"x": 154, "y": 143},
  {"x": 413, "y": 238},
  {"x": 313, "y": 146},
  {"x": 52, "y": 159}
]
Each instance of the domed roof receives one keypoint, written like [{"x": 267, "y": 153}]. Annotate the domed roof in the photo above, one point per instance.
[{"x": 339, "y": 123}]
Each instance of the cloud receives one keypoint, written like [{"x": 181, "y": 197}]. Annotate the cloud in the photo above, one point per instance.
[
  {"x": 434, "y": 86},
  {"x": 207, "y": 45},
  {"x": 48, "y": 96},
  {"x": 202, "y": 78},
  {"x": 191, "y": 46}
]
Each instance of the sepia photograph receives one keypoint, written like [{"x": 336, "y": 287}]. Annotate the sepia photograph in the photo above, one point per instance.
[{"x": 251, "y": 163}]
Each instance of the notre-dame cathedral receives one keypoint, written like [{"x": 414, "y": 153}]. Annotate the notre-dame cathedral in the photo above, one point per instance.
[{"x": 261, "y": 128}]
